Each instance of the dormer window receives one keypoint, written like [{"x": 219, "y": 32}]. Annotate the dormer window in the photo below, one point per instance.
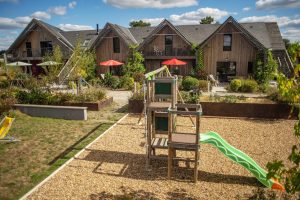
[
  {"x": 227, "y": 42},
  {"x": 86, "y": 42},
  {"x": 116, "y": 44}
]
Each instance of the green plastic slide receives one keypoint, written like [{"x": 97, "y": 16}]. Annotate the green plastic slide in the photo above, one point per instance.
[{"x": 241, "y": 158}]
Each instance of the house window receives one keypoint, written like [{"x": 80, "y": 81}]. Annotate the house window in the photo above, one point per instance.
[
  {"x": 226, "y": 70},
  {"x": 46, "y": 47},
  {"x": 168, "y": 45},
  {"x": 116, "y": 44},
  {"x": 227, "y": 42},
  {"x": 28, "y": 49}
]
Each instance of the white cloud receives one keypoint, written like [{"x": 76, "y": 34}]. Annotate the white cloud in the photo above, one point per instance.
[
  {"x": 151, "y": 3},
  {"x": 194, "y": 17},
  {"x": 292, "y": 34},
  {"x": 152, "y": 21},
  {"x": 267, "y": 4},
  {"x": 5, "y": 41},
  {"x": 9, "y": 23},
  {"x": 246, "y": 8},
  {"x": 74, "y": 27},
  {"x": 23, "y": 20},
  {"x": 59, "y": 10},
  {"x": 72, "y": 4},
  {"x": 41, "y": 15},
  {"x": 282, "y": 21}
]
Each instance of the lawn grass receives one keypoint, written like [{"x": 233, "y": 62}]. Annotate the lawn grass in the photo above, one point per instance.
[{"x": 45, "y": 145}]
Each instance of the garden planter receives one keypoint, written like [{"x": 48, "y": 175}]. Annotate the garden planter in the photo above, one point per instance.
[
  {"x": 251, "y": 110},
  {"x": 135, "y": 106},
  {"x": 94, "y": 106}
]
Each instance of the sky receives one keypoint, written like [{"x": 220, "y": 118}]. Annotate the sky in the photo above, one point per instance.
[{"x": 85, "y": 14}]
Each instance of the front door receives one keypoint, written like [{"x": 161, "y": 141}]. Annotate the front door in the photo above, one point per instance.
[{"x": 225, "y": 70}]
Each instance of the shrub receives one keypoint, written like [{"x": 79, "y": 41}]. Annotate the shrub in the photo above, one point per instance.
[
  {"x": 190, "y": 83},
  {"x": 138, "y": 77},
  {"x": 7, "y": 99},
  {"x": 137, "y": 96},
  {"x": 111, "y": 81},
  {"x": 200, "y": 74},
  {"x": 189, "y": 98},
  {"x": 127, "y": 82},
  {"x": 6, "y": 104},
  {"x": 235, "y": 85},
  {"x": 114, "y": 82},
  {"x": 203, "y": 85},
  {"x": 90, "y": 96},
  {"x": 249, "y": 86},
  {"x": 35, "y": 96}
]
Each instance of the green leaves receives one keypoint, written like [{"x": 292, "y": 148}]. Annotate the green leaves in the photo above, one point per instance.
[{"x": 135, "y": 62}]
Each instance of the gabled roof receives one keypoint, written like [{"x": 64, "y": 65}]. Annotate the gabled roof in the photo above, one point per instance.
[
  {"x": 163, "y": 24},
  {"x": 51, "y": 29},
  {"x": 122, "y": 32},
  {"x": 74, "y": 36},
  {"x": 260, "y": 34},
  {"x": 244, "y": 32}
]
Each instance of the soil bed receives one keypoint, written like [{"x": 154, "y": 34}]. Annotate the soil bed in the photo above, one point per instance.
[{"x": 114, "y": 167}]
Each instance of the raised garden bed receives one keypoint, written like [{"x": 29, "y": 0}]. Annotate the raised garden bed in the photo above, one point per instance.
[
  {"x": 135, "y": 106},
  {"x": 94, "y": 106},
  {"x": 251, "y": 110}
]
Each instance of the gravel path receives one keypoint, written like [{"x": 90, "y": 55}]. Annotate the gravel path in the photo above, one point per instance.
[
  {"x": 120, "y": 96},
  {"x": 114, "y": 166}
]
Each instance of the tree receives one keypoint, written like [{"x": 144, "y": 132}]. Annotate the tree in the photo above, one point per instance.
[
  {"x": 207, "y": 20},
  {"x": 289, "y": 90},
  {"x": 135, "y": 62},
  {"x": 83, "y": 62},
  {"x": 139, "y": 23},
  {"x": 56, "y": 56},
  {"x": 294, "y": 52},
  {"x": 287, "y": 43},
  {"x": 265, "y": 72}
]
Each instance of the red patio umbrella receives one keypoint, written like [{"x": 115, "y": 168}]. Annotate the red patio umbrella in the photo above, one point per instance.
[
  {"x": 173, "y": 61},
  {"x": 111, "y": 63}
]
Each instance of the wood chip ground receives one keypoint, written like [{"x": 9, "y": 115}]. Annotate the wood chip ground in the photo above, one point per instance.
[{"x": 114, "y": 167}]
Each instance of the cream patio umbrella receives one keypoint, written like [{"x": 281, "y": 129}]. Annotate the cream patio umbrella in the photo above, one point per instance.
[
  {"x": 18, "y": 64},
  {"x": 48, "y": 63}
]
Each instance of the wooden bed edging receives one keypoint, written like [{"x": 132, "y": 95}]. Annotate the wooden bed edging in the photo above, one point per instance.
[
  {"x": 94, "y": 106},
  {"x": 59, "y": 112},
  {"x": 135, "y": 106},
  {"x": 250, "y": 110}
]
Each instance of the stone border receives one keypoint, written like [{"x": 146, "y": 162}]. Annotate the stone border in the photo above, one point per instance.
[
  {"x": 58, "y": 112},
  {"x": 70, "y": 160}
]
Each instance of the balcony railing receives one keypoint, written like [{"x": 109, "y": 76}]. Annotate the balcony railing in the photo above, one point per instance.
[
  {"x": 35, "y": 53},
  {"x": 169, "y": 52}
]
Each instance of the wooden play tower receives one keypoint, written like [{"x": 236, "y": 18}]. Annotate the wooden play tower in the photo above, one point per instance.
[{"x": 161, "y": 111}]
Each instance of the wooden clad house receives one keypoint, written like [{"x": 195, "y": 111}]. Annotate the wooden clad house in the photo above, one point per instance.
[{"x": 230, "y": 49}]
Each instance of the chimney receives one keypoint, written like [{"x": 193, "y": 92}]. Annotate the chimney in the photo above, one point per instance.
[{"x": 97, "y": 29}]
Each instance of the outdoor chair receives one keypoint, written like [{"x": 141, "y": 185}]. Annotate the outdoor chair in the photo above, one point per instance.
[{"x": 5, "y": 125}]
